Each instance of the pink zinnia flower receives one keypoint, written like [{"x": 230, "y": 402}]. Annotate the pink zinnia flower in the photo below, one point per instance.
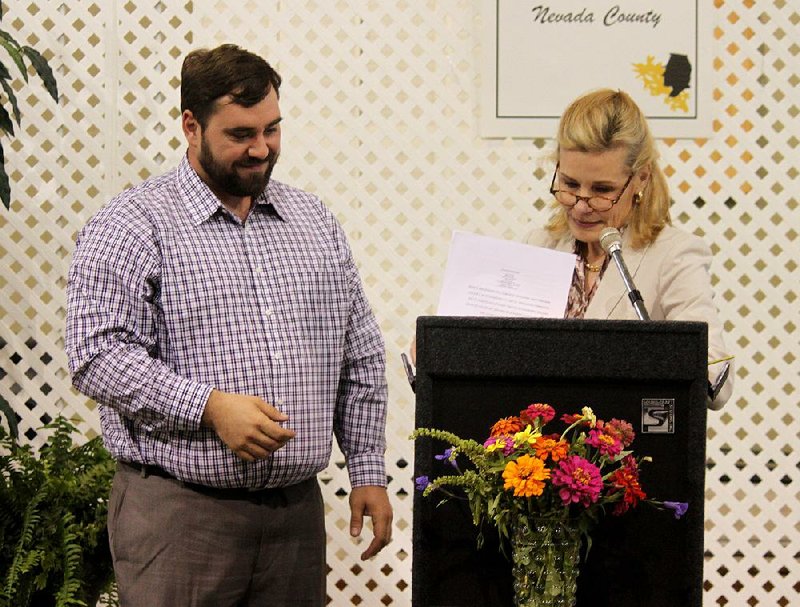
[
  {"x": 605, "y": 443},
  {"x": 579, "y": 479},
  {"x": 537, "y": 410}
]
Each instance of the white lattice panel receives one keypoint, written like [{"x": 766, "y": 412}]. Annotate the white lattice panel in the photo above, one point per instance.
[{"x": 380, "y": 100}]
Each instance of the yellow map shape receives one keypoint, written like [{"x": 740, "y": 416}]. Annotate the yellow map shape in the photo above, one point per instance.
[{"x": 652, "y": 76}]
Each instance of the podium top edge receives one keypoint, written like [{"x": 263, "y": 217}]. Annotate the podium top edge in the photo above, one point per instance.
[{"x": 560, "y": 324}]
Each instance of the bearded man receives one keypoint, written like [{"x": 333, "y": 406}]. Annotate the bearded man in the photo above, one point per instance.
[{"x": 218, "y": 319}]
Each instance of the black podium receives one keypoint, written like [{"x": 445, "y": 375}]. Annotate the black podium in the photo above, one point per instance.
[{"x": 472, "y": 371}]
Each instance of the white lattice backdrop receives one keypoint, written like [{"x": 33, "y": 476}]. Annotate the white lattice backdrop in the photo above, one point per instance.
[{"x": 380, "y": 106}]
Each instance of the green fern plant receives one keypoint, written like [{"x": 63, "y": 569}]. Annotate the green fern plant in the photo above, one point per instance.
[
  {"x": 53, "y": 511},
  {"x": 19, "y": 54}
]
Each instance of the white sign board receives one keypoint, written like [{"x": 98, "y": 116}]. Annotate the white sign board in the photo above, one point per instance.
[{"x": 539, "y": 56}]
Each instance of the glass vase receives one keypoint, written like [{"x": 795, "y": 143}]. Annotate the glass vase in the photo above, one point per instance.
[{"x": 545, "y": 555}]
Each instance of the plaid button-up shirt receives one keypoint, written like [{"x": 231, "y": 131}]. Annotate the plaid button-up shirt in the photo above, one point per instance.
[{"x": 170, "y": 295}]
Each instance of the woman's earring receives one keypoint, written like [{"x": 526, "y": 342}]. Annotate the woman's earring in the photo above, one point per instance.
[{"x": 637, "y": 198}]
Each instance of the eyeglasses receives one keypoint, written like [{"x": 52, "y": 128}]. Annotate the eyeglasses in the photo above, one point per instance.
[{"x": 598, "y": 203}]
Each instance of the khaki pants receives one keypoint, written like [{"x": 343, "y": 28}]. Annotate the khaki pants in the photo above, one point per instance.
[{"x": 176, "y": 546}]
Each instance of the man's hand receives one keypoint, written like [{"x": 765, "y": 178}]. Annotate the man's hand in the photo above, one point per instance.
[
  {"x": 371, "y": 501},
  {"x": 248, "y": 425}
]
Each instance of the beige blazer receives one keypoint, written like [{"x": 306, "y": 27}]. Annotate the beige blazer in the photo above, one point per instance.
[{"x": 672, "y": 275}]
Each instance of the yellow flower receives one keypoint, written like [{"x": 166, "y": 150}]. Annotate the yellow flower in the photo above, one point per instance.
[
  {"x": 525, "y": 476},
  {"x": 527, "y": 437},
  {"x": 498, "y": 443}
]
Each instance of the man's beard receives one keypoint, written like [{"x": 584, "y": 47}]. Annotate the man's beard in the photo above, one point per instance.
[{"x": 228, "y": 181}]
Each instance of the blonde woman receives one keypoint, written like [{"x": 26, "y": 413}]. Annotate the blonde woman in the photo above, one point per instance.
[{"x": 607, "y": 174}]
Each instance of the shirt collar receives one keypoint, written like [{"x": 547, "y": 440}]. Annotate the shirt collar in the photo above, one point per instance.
[{"x": 201, "y": 203}]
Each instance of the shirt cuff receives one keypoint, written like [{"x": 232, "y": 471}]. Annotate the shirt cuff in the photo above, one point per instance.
[
  {"x": 189, "y": 400},
  {"x": 367, "y": 469}
]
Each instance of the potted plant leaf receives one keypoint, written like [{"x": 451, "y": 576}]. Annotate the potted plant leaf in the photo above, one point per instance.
[
  {"x": 19, "y": 54},
  {"x": 53, "y": 509}
]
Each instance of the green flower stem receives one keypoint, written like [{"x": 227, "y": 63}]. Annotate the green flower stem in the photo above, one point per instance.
[{"x": 473, "y": 450}]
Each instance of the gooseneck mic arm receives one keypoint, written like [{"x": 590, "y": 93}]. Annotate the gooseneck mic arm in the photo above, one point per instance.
[{"x": 611, "y": 241}]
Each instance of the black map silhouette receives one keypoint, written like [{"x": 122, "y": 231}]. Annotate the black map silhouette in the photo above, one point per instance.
[{"x": 677, "y": 73}]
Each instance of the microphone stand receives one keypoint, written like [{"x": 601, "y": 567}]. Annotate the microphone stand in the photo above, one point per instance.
[
  {"x": 611, "y": 241},
  {"x": 633, "y": 292}
]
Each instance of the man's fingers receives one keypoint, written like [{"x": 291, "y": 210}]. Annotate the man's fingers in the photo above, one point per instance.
[
  {"x": 374, "y": 548},
  {"x": 277, "y": 433},
  {"x": 382, "y": 534},
  {"x": 356, "y": 522},
  {"x": 273, "y": 436},
  {"x": 271, "y": 412},
  {"x": 271, "y": 426},
  {"x": 380, "y": 540},
  {"x": 261, "y": 445},
  {"x": 244, "y": 454},
  {"x": 383, "y": 527}
]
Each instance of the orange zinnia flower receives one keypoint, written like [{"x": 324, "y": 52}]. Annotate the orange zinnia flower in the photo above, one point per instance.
[
  {"x": 508, "y": 426},
  {"x": 525, "y": 476},
  {"x": 547, "y": 445}
]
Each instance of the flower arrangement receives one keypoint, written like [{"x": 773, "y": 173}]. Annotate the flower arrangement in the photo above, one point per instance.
[
  {"x": 544, "y": 490},
  {"x": 524, "y": 471}
]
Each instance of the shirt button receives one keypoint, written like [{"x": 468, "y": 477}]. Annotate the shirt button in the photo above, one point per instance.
[
  {"x": 258, "y": 270},
  {"x": 277, "y": 356},
  {"x": 268, "y": 312},
  {"x": 279, "y": 401}
]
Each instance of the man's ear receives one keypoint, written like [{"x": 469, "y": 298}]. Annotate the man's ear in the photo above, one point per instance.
[{"x": 191, "y": 127}]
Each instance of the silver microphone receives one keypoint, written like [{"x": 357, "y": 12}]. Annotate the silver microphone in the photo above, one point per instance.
[{"x": 611, "y": 241}]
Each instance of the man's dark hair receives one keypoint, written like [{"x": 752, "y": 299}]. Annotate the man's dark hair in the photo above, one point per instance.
[{"x": 208, "y": 75}]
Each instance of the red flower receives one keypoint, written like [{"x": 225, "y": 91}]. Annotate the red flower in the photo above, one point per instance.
[
  {"x": 626, "y": 479},
  {"x": 535, "y": 411},
  {"x": 571, "y": 418}
]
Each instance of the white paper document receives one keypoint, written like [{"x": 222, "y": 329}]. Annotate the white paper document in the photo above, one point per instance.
[{"x": 494, "y": 277}]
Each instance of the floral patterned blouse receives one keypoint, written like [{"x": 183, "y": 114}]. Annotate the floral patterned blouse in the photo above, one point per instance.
[{"x": 579, "y": 299}]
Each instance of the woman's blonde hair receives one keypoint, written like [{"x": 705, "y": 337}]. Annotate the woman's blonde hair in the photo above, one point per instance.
[{"x": 607, "y": 119}]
